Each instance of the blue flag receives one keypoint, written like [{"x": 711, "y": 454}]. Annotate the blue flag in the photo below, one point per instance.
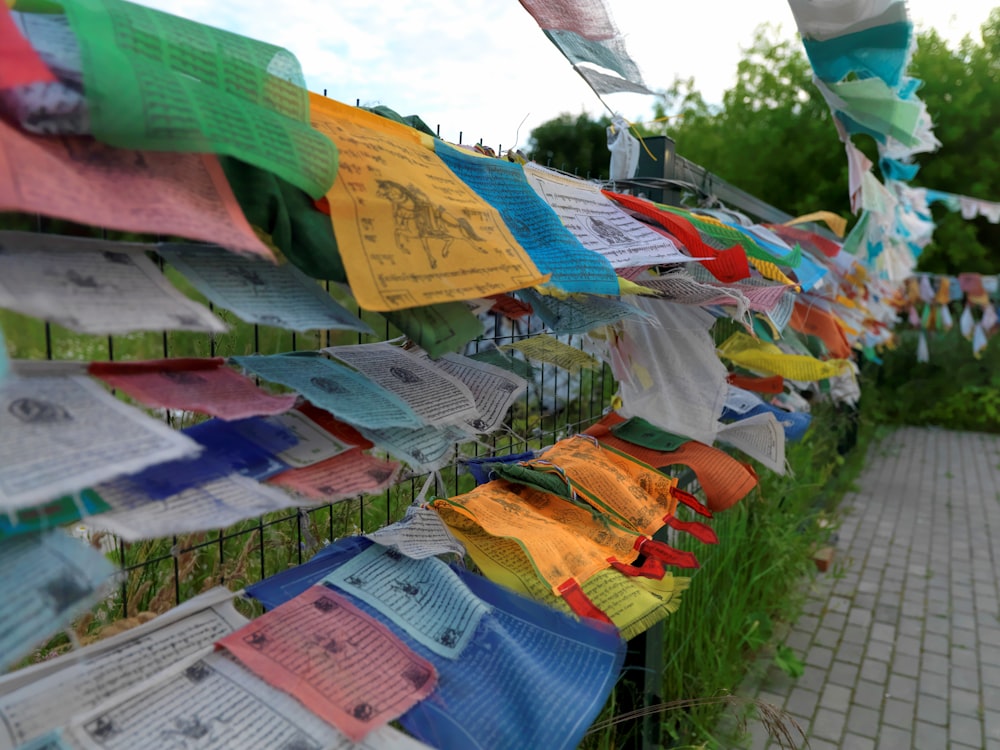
[
  {"x": 513, "y": 673},
  {"x": 535, "y": 226}
]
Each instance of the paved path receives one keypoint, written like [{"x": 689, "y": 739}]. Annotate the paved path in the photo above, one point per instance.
[{"x": 901, "y": 640}]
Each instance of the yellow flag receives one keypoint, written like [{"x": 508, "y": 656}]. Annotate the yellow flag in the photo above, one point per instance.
[
  {"x": 545, "y": 348},
  {"x": 409, "y": 232},
  {"x": 837, "y": 224},
  {"x": 771, "y": 272},
  {"x": 563, "y": 541},
  {"x": 761, "y": 356},
  {"x": 633, "y": 604},
  {"x": 627, "y": 287}
]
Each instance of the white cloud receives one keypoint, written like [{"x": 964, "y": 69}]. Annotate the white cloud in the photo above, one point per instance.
[{"x": 481, "y": 67}]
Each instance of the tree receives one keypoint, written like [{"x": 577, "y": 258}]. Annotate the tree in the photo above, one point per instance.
[
  {"x": 574, "y": 144},
  {"x": 962, "y": 92},
  {"x": 774, "y": 137}
]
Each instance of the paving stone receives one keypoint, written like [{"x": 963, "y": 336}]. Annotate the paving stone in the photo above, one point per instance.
[
  {"x": 989, "y": 655},
  {"x": 891, "y": 738},
  {"x": 964, "y": 678},
  {"x": 759, "y": 738},
  {"x": 902, "y": 687},
  {"x": 857, "y": 742},
  {"x": 937, "y": 625},
  {"x": 988, "y": 604},
  {"x": 878, "y": 650},
  {"x": 820, "y": 656},
  {"x": 863, "y": 720},
  {"x": 903, "y": 649},
  {"x": 828, "y": 725},
  {"x": 887, "y": 614},
  {"x": 965, "y": 702},
  {"x": 814, "y": 606},
  {"x": 854, "y": 634},
  {"x": 931, "y": 609},
  {"x": 991, "y": 696},
  {"x": 963, "y": 657},
  {"x": 883, "y": 632},
  {"x": 936, "y": 594},
  {"x": 803, "y": 702},
  {"x": 934, "y": 663},
  {"x": 853, "y": 652},
  {"x": 839, "y": 604},
  {"x": 869, "y": 583},
  {"x": 798, "y": 641},
  {"x": 907, "y": 644},
  {"x": 775, "y": 699},
  {"x": 891, "y": 587},
  {"x": 933, "y": 683},
  {"x": 868, "y": 694},
  {"x": 989, "y": 636},
  {"x": 908, "y": 666},
  {"x": 845, "y": 589},
  {"x": 807, "y": 624},
  {"x": 843, "y": 673},
  {"x": 895, "y": 574},
  {"x": 963, "y": 639},
  {"x": 777, "y": 688},
  {"x": 898, "y": 713},
  {"x": 990, "y": 675},
  {"x": 827, "y": 637},
  {"x": 936, "y": 644},
  {"x": 860, "y": 616},
  {"x": 876, "y": 671},
  {"x": 864, "y": 601},
  {"x": 813, "y": 678},
  {"x": 834, "y": 620},
  {"x": 965, "y": 729},
  {"x": 991, "y": 721},
  {"x": 963, "y": 606},
  {"x": 836, "y": 698},
  {"x": 929, "y": 737},
  {"x": 962, "y": 620}
]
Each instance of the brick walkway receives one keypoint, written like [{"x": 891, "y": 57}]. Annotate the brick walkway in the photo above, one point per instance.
[{"x": 901, "y": 639}]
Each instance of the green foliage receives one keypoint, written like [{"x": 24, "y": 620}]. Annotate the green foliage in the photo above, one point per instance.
[
  {"x": 788, "y": 662},
  {"x": 962, "y": 92},
  {"x": 955, "y": 389},
  {"x": 573, "y": 144},
  {"x": 750, "y": 583},
  {"x": 774, "y": 137}
]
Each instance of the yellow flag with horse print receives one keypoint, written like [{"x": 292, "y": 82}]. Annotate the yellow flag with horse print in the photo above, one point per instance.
[{"x": 409, "y": 231}]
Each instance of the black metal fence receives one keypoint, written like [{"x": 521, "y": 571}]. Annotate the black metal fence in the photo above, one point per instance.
[{"x": 159, "y": 574}]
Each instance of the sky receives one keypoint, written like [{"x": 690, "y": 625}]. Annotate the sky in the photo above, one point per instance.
[{"x": 483, "y": 69}]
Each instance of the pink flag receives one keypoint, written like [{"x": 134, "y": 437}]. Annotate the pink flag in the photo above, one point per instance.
[
  {"x": 152, "y": 192},
  {"x": 343, "y": 476},
  {"x": 206, "y": 386},
  {"x": 342, "y": 664}
]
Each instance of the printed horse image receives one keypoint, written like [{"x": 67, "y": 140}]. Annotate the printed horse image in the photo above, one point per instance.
[{"x": 417, "y": 218}]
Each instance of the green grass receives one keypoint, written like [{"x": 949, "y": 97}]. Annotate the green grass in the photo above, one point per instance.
[
  {"x": 749, "y": 584},
  {"x": 955, "y": 389}
]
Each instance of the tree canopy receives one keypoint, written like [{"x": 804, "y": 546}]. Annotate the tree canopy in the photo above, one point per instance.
[
  {"x": 773, "y": 136},
  {"x": 575, "y": 144}
]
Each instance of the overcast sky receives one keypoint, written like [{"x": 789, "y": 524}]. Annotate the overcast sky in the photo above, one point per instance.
[{"x": 483, "y": 66}]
